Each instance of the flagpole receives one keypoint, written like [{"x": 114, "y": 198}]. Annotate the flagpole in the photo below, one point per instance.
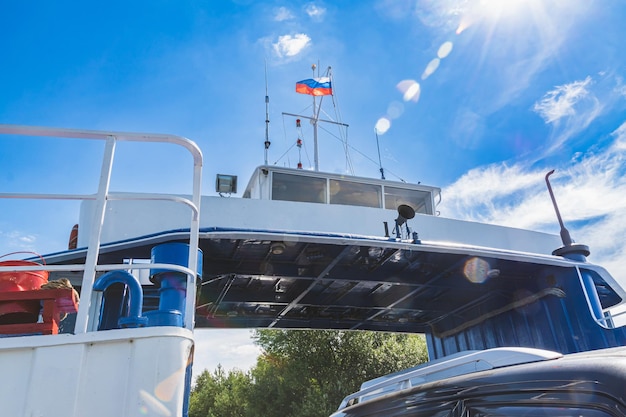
[
  {"x": 314, "y": 122},
  {"x": 314, "y": 88}
]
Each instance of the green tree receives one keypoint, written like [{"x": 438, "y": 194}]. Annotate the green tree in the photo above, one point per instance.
[
  {"x": 303, "y": 373},
  {"x": 317, "y": 368},
  {"x": 220, "y": 394}
]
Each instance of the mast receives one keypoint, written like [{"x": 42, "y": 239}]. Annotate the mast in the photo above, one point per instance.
[
  {"x": 315, "y": 118},
  {"x": 267, "y": 117},
  {"x": 314, "y": 123}
]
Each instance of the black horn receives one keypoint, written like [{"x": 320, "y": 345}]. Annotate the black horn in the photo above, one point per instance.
[{"x": 405, "y": 213}]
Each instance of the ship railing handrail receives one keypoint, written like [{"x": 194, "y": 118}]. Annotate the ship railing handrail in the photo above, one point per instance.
[
  {"x": 610, "y": 318},
  {"x": 110, "y": 197},
  {"x": 612, "y": 315},
  {"x": 90, "y": 267},
  {"x": 55, "y": 132},
  {"x": 454, "y": 365},
  {"x": 100, "y": 267}
]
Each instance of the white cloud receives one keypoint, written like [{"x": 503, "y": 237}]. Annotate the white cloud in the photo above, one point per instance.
[
  {"x": 591, "y": 193},
  {"x": 494, "y": 194},
  {"x": 443, "y": 14},
  {"x": 560, "y": 102},
  {"x": 14, "y": 241},
  {"x": 230, "y": 348},
  {"x": 498, "y": 179},
  {"x": 620, "y": 137},
  {"x": 282, "y": 14},
  {"x": 620, "y": 88},
  {"x": 291, "y": 45},
  {"x": 315, "y": 12},
  {"x": 570, "y": 109}
]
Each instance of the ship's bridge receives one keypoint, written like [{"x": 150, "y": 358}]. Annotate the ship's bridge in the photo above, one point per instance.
[{"x": 286, "y": 184}]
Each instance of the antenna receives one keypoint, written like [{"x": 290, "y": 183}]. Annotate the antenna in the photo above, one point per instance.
[
  {"x": 380, "y": 163},
  {"x": 569, "y": 249},
  {"x": 267, "y": 117},
  {"x": 565, "y": 236}
]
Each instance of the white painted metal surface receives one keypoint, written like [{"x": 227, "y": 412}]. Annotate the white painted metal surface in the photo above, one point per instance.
[
  {"x": 121, "y": 373},
  {"x": 264, "y": 215}
]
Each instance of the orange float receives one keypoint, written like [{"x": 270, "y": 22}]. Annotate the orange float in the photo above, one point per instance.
[{"x": 20, "y": 311}]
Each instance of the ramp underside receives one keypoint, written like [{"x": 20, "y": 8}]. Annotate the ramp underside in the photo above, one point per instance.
[{"x": 267, "y": 280}]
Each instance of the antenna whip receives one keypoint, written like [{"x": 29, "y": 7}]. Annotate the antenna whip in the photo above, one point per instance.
[
  {"x": 380, "y": 163},
  {"x": 267, "y": 117}
]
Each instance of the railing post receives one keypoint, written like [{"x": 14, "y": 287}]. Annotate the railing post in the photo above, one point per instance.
[{"x": 89, "y": 274}]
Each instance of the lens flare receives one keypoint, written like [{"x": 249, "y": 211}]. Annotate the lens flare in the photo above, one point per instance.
[
  {"x": 431, "y": 68},
  {"x": 153, "y": 405},
  {"x": 478, "y": 270},
  {"x": 382, "y": 125},
  {"x": 467, "y": 20},
  {"x": 410, "y": 90},
  {"x": 444, "y": 50},
  {"x": 167, "y": 388},
  {"x": 395, "y": 109}
]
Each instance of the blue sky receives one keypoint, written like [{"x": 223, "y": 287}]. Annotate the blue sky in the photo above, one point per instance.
[{"x": 481, "y": 98}]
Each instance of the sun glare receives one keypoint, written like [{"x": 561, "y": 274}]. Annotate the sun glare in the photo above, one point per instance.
[
  {"x": 497, "y": 11},
  {"x": 491, "y": 16}
]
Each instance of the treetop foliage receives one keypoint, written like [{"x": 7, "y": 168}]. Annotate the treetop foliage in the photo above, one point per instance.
[{"x": 303, "y": 373}]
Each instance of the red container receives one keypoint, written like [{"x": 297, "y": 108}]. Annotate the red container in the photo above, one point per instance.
[{"x": 20, "y": 311}]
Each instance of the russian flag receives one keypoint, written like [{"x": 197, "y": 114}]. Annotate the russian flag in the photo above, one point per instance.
[{"x": 315, "y": 87}]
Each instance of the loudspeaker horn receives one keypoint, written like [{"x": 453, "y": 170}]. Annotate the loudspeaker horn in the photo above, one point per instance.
[{"x": 405, "y": 213}]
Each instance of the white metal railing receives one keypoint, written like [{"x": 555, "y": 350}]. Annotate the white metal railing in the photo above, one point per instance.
[{"x": 91, "y": 267}]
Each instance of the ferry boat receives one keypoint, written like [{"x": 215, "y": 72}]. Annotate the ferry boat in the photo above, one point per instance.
[{"x": 299, "y": 249}]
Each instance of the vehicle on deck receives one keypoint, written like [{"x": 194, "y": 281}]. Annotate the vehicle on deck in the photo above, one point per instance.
[{"x": 510, "y": 382}]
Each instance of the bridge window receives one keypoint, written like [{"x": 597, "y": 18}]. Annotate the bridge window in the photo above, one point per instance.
[
  {"x": 298, "y": 188},
  {"x": 419, "y": 200},
  {"x": 311, "y": 189},
  {"x": 354, "y": 194}
]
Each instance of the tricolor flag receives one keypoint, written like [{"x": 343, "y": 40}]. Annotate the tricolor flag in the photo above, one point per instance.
[{"x": 315, "y": 87}]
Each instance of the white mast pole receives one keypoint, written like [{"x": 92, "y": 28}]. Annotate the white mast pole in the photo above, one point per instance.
[
  {"x": 267, "y": 117},
  {"x": 314, "y": 123}
]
